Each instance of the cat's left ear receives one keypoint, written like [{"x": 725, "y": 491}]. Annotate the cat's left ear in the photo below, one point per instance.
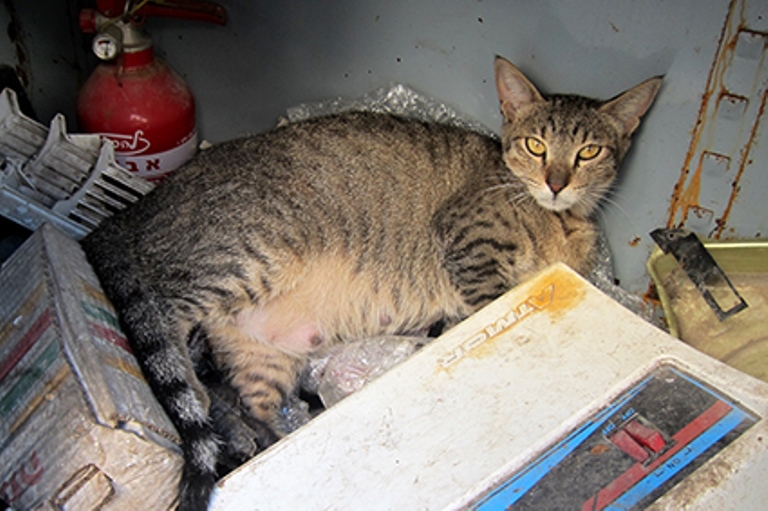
[
  {"x": 514, "y": 89},
  {"x": 630, "y": 106}
]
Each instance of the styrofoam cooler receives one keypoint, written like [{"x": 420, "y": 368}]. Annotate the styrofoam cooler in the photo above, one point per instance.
[{"x": 552, "y": 397}]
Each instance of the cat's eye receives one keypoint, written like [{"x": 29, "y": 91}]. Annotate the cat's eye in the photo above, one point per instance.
[
  {"x": 535, "y": 146},
  {"x": 589, "y": 152}
]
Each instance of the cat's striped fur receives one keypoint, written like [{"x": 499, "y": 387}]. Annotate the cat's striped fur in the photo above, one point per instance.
[{"x": 343, "y": 227}]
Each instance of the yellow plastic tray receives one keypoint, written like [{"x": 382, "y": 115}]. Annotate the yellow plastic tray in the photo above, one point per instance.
[{"x": 740, "y": 340}]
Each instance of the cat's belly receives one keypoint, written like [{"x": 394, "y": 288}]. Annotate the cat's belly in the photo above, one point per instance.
[{"x": 332, "y": 301}]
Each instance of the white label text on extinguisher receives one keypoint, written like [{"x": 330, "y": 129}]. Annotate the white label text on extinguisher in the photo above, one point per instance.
[
  {"x": 133, "y": 153},
  {"x": 127, "y": 145}
]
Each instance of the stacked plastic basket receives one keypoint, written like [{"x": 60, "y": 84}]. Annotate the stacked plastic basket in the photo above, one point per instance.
[{"x": 47, "y": 175}]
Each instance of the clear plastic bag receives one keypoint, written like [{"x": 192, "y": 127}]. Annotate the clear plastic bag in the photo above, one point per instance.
[{"x": 346, "y": 368}]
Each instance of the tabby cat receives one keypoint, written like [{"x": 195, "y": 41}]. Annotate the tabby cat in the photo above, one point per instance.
[{"x": 341, "y": 227}]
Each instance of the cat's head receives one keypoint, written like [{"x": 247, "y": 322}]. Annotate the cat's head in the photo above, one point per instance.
[{"x": 565, "y": 148}]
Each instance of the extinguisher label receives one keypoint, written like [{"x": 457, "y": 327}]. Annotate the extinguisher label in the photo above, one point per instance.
[
  {"x": 151, "y": 166},
  {"x": 129, "y": 145}
]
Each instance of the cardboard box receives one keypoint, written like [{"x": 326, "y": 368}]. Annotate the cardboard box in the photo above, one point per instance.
[
  {"x": 552, "y": 397},
  {"x": 79, "y": 427}
]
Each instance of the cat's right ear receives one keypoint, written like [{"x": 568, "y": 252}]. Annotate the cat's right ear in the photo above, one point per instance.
[{"x": 514, "y": 89}]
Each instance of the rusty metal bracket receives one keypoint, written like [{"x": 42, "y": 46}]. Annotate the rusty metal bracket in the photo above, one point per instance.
[{"x": 702, "y": 269}]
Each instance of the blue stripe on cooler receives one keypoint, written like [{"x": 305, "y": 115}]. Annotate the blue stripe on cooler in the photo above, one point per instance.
[{"x": 515, "y": 488}]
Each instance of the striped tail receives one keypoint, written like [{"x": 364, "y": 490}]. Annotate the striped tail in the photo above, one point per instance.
[
  {"x": 161, "y": 349},
  {"x": 166, "y": 365}
]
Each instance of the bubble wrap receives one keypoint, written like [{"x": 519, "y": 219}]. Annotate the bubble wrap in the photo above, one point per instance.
[{"x": 396, "y": 99}]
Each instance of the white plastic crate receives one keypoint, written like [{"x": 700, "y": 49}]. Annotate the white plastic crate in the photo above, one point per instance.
[{"x": 48, "y": 175}]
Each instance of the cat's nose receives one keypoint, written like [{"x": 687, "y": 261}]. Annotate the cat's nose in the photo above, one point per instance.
[{"x": 557, "y": 182}]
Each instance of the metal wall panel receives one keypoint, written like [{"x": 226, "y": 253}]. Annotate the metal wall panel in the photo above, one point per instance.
[{"x": 697, "y": 160}]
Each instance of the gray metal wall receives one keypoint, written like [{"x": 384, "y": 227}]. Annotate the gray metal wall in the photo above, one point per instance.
[{"x": 699, "y": 158}]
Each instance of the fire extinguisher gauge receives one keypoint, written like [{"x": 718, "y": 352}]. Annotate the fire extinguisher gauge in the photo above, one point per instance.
[{"x": 106, "y": 46}]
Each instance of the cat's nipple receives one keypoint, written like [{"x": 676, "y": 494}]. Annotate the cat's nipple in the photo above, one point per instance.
[{"x": 316, "y": 341}]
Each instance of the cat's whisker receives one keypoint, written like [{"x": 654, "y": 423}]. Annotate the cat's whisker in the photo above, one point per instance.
[
  {"x": 503, "y": 186},
  {"x": 520, "y": 199},
  {"x": 608, "y": 201},
  {"x": 612, "y": 197},
  {"x": 516, "y": 199}
]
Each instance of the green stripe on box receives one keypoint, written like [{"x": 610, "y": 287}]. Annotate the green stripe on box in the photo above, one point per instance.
[{"x": 36, "y": 372}]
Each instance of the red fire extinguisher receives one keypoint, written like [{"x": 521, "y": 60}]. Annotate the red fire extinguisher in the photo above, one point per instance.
[{"x": 133, "y": 98}]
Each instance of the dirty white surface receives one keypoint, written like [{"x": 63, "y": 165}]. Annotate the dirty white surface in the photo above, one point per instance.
[{"x": 482, "y": 401}]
